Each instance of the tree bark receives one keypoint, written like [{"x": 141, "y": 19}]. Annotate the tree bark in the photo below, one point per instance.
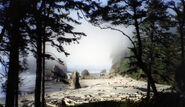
[
  {"x": 148, "y": 90},
  {"x": 17, "y": 89},
  {"x": 182, "y": 43},
  {"x": 40, "y": 35},
  {"x": 43, "y": 74},
  {"x": 154, "y": 89},
  {"x": 39, "y": 67},
  {"x": 139, "y": 54},
  {"x": 13, "y": 73}
]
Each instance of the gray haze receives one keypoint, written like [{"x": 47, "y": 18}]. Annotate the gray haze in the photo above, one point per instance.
[{"x": 97, "y": 51}]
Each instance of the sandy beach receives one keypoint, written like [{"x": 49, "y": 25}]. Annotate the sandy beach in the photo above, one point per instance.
[{"x": 93, "y": 90}]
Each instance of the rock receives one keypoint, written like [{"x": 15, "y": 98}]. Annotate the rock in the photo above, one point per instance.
[
  {"x": 85, "y": 73},
  {"x": 103, "y": 71},
  {"x": 113, "y": 73},
  {"x": 75, "y": 80},
  {"x": 59, "y": 74},
  {"x": 57, "y": 103},
  {"x": 48, "y": 75},
  {"x": 50, "y": 105},
  {"x": 102, "y": 74}
]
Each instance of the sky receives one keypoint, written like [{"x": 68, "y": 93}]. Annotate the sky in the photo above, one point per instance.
[{"x": 95, "y": 50}]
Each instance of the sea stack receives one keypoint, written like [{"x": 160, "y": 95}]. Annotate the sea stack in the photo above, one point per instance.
[{"x": 75, "y": 80}]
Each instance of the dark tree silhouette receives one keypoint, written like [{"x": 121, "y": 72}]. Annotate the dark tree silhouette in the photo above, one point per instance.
[
  {"x": 11, "y": 35},
  {"x": 124, "y": 12},
  {"x": 152, "y": 28},
  {"x": 179, "y": 9},
  {"x": 178, "y": 18},
  {"x": 52, "y": 26},
  {"x": 35, "y": 19}
]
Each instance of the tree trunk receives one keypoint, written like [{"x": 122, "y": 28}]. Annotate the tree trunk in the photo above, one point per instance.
[
  {"x": 43, "y": 73},
  {"x": 154, "y": 89},
  {"x": 13, "y": 73},
  {"x": 39, "y": 67},
  {"x": 182, "y": 43},
  {"x": 151, "y": 55},
  {"x": 139, "y": 55},
  {"x": 148, "y": 90},
  {"x": 17, "y": 89},
  {"x": 182, "y": 32}
]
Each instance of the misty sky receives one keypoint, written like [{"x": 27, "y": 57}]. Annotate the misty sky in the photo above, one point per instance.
[{"x": 96, "y": 49}]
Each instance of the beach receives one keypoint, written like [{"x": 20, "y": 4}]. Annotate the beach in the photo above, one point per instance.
[{"x": 93, "y": 90}]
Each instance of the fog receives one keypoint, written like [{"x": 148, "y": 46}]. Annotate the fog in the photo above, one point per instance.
[{"x": 96, "y": 51}]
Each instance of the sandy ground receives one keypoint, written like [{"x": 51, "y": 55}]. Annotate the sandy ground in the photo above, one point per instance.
[{"x": 118, "y": 89}]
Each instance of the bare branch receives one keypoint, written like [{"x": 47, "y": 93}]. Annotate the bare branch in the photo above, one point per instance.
[
  {"x": 56, "y": 58},
  {"x": 97, "y": 25},
  {"x": 4, "y": 50},
  {"x": 120, "y": 32}
]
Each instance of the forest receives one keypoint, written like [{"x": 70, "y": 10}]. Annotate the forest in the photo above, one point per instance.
[{"x": 157, "y": 51}]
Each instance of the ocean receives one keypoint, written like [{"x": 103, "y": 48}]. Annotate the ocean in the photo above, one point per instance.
[
  {"x": 28, "y": 81},
  {"x": 27, "y": 84}
]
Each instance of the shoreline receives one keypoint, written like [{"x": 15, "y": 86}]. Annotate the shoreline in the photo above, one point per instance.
[{"x": 94, "y": 90}]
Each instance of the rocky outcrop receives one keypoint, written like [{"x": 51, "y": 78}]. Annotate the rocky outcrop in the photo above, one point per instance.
[
  {"x": 48, "y": 75},
  {"x": 58, "y": 72},
  {"x": 75, "y": 80},
  {"x": 57, "y": 75},
  {"x": 103, "y": 73},
  {"x": 85, "y": 73}
]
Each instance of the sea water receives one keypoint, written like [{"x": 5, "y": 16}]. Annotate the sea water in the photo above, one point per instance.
[{"x": 27, "y": 84}]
